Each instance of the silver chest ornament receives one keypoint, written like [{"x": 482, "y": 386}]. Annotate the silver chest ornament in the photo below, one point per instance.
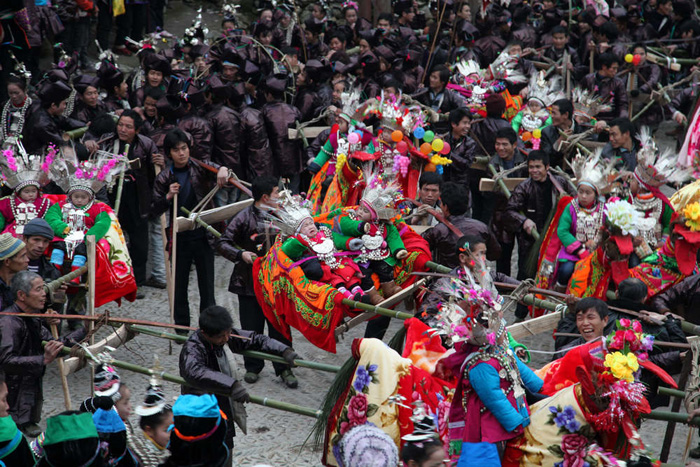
[
  {"x": 325, "y": 249},
  {"x": 588, "y": 223},
  {"x": 650, "y": 209},
  {"x": 75, "y": 218},
  {"x": 372, "y": 248},
  {"x": 23, "y": 212}
]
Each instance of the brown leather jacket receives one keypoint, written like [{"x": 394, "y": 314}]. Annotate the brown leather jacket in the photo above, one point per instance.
[
  {"x": 244, "y": 233},
  {"x": 682, "y": 299},
  {"x": 199, "y": 365},
  {"x": 202, "y": 182},
  {"x": 225, "y": 124},
  {"x": 22, "y": 359},
  {"x": 256, "y": 155},
  {"x": 286, "y": 153},
  {"x": 201, "y": 133}
]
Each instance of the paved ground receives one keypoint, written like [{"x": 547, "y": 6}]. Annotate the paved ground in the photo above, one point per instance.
[{"x": 274, "y": 437}]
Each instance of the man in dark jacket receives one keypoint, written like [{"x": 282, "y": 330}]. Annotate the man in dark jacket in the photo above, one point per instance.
[
  {"x": 47, "y": 123},
  {"x": 279, "y": 117},
  {"x": 509, "y": 155},
  {"x": 462, "y": 147},
  {"x": 225, "y": 124},
  {"x": 204, "y": 365},
  {"x": 246, "y": 239},
  {"x": 138, "y": 183},
  {"x": 37, "y": 236},
  {"x": 552, "y": 141},
  {"x": 604, "y": 82},
  {"x": 484, "y": 133},
  {"x": 21, "y": 355},
  {"x": 682, "y": 299},
  {"x": 622, "y": 146},
  {"x": 255, "y": 152},
  {"x": 443, "y": 238},
  {"x": 531, "y": 203},
  {"x": 438, "y": 97},
  {"x": 191, "y": 183}
]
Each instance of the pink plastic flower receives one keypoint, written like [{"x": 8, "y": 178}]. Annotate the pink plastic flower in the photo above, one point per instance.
[
  {"x": 637, "y": 326},
  {"x": 625, "y": 323}
]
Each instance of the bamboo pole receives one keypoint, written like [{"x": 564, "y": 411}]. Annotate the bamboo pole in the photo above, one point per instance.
[
  {"x": 120, "y": 184},
  {"x": 501, "y": 184},
  {"x": 671, "y": 392},
  {"x": 200, "y": 222},
  {"x": 173, "y": 270},
  {"x": 109, "y": 319},
  {"x": 432, "y": 47},
  {"x": 674, "y": 417},
  {"x": 64, "y": 378},
  {"x": 90, "y": 243},
  {"x": 673, "y": 345},
  {"x": 272, "y": 403},
  {"x": 246, "y": 353}
]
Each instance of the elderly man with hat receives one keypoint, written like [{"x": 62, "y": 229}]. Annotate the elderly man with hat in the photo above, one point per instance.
[
  {"x": 13, "y": 259},
  {"x": 89, "y": 106},
  {"x": 47, "y": 123},
  {"x": 21, "y": 354},
  {"x": 37, "y": 236}
]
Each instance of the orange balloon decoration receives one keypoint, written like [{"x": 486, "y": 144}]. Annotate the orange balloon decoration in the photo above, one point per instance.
[
  {"x": 426, "y": 148},
  {"x": 429, "y": 167},
  {"x": 396, "y": 136}
]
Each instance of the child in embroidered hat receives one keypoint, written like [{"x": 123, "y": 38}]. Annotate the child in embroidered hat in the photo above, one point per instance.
[
  {"x": 79, "y": 215},
  {"x": 14, "y": 449},
  {"x": 197, "y": 439},
  {"x": 150, "y": 443},
  {"x": 70, "y": 440},
  {"x": 24, "y": 174}
]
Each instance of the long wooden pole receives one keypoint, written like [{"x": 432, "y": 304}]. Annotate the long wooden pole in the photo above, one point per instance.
[
  {"x": 432, "y": 47},
  {"x": 120, "y": 185},
  {"x": 64, "y": 378},
  {"x": 247, "y": 353},
  {"x": 90, "y": 243},
  {"x": 233, "y": 181},
  {"x": 173, "y": 265},
  {"x": 272, "y": 403}
]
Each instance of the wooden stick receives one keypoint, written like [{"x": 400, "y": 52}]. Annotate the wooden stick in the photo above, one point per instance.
[
  {"x": 61, "y": 371},
  {"x": 591, "y": 67},
  {"x": 233, "y": 180},
  {"x": 676, "y": 406},
  {"x": 169, "y": 284},
  {"x": 173, "y": 270},
  {"x": 432, "y": 47},
  {"x": 90, "y": 243},
  {"x": 120, "y": 185}
]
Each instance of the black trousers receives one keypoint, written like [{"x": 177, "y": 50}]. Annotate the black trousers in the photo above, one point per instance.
[
  {"x": 132, "y": 23},
  {"x": 104, "y": 25},
  {"x": 136, "y": 228},
  {"x": 253, "y": 319},
  {"x": 155, "y": 10},
  {"x": 193, "y": 250}
]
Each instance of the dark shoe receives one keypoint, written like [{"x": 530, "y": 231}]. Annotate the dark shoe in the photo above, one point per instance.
[
  {"x": 140, "y": 294},
  {"x": 251, "y": 377},
  {"x": 30, "y": 430},
  {"x": 289, "y": 379},
  {"x": 155, "y": 283},
  {"x": 182, "y": 332}
]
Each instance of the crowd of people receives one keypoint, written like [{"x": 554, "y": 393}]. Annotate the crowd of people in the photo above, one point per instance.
[{"x": 357, "y": 143}]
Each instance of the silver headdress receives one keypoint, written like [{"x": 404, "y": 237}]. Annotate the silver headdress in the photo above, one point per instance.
[
  {"x": 468, "y": 67},
  {"x": 504, "y": 67},
  {"x": 20, "y": 169},
  {"x": 21, "y": 70},
  {"x": 100, "y": 170},
  {"x": 655, "y": 167},
  {"x": 195, "y": 34},
  {"x": 588, "y": 104},
  {"x": 379, "y": 196},
  {"x": 291, "y": 213},
  {"x": 352, "y": 101},
  {"x": 546, "y": 91},
  {"x": 594, "y": 170}
]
